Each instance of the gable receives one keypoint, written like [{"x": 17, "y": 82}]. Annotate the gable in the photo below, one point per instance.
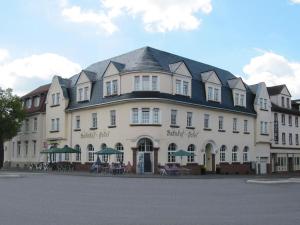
[
  {"x": 111, "y": 69},
  {"x": 285, "y": 91},
  {"x": 83, "y": 78},
  {"x": 236, "y": 83},
  {"x": 180, "y": 68},
  {"x": 210, "y": 77}
]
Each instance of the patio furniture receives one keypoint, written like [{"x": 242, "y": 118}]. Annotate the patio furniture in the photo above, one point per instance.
[{"x": 171, "y": 170}]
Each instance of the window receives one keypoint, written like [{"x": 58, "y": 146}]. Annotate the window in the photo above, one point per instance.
[
  {"x": 234, "y": 125},
  {"x": 80, "y": 93},
  {"x": 245, "y": 154},
  {"x": 77, "y": 122},
  {"x": 53, "y": 125},
  {"x": 290, "y": 139},
  {"x": 26, "y": 148},
  {"x": 136, "y": 83},
  {"x": 265, "y": 104},
  {"x": 94, "y": 120},
  {"x": 91, "y": 155},
  {"x": 283, "y": 138},
  {"x": 29, "y": 103},
  {"x": 223, "y": 153},
  {"x": 266, "y": 127},
  {"x": 245, "y": 126},
  {"x": 34, "y": 148},
  {"x": 296, "y": 121},
  {"x": 216, "y": 94},
  {"x": 120, "y": 157},
  {"x": 104, "y": 157},
  {"x": 185, "y": 90},
  {"x": 261, "y": 103},
  {"x": 276, "y": 136},
  {"x": 221, "y": 122},
  {"x": 178, "y": 86},
  {"x": 236, "y": 98},
  {"x": 234, "y": 154},
  {"x": 242, "y": 98},
  {"x": 173, "y": 117},
  {"x": 210, "y": 93},
  {"x": 206, "y": 121},
  {"x": 297, "y": 139},
  {"x": 53, "y": 99},
  {"x": 189, "y": 117},
  {"x": 156, "y": 115},
  {"x": 112, "y": 117},
  {"x": 191, "y": 149},
  {"x": 282, "y": 101},
  {"x": 135, "y": 115},
  {"x": 146, "y": 83},
  {"x": 78, "y": 155},
  {"x": 34, "y": 124},
  {"x": 263, "y": 127},
  {"x": 86, "y": 93},
  {"x": 281, "y": 163},
  {"x": 171, "y": 149},
  {"x": 154, "y": 83},
  {"x": 290, "y": 120},
  {"x": 287, "y": 102},
  {"x": 145, "y": 115},
  {"x": 108, "y": 88},
  {"x": 114, "y": 87},
  {"x": 282, "y": 119},
  {"x": 36, "y": 101},
  {"x": 27, "y": 125},
  {"x": 57, "y": 98}
]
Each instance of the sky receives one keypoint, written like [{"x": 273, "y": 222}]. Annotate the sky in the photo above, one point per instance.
[{"x": 253, "y": 39}]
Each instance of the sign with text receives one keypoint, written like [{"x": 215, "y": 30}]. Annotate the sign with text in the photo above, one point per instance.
[
  {"x": 94, "y": 134},
  {"x": 182, "y": 133}
]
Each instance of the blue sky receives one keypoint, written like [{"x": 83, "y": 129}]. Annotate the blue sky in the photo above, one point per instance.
[{"x": 258, "y": 40}]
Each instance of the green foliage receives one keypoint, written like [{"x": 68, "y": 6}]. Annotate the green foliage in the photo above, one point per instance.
[{"x": 11, "y": 114}]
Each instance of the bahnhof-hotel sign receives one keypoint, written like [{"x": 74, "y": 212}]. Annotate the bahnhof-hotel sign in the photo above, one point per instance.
[{"x": 149, "y": 104}]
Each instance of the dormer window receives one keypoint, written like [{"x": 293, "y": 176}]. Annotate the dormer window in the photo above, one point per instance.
[
  {"x": 36, "y": 101},
  {"x": 239, "y": 98},
  {"x": 182, "y": 87},
  {"x": 112, "y": 87},
  {"x": 55, "y": 99},
  {"x": 287, "y": 102},
  {"x": 282, "y": 102},
  {"x": 29, "y": 103},
  {"x": 146, "y": 83},
  {"x": 83, "y": 94},
  {"x": 213, "y": 94}
]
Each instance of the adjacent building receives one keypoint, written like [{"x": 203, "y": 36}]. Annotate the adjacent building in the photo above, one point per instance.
[{"x": 149, "y": 103}]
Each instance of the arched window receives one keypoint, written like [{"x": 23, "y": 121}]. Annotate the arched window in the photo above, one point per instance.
[
  {"x": 120, "y": 157},
  {"x": 235, "y": 154},
  {"x": 145, "y": 145},
  {"x": 223, "y": 153},
  {"x": 172, "y": 148},
  {"x": 90, "y": 149},
  {"x": 191, "y": 149},
  {"x": 78, "y": 155},
  {"x": 104, "y": 157},
  {"x": 245, "y": 154}
]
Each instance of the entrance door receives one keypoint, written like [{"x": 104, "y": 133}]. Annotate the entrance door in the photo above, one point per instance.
[
  {"x": 147, "y": 163},
  {"x": 290, "y": 164},
  {"x": 209, "y": 158}
]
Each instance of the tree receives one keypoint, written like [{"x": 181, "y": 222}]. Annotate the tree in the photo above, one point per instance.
[{"x": 11, "y": 116}]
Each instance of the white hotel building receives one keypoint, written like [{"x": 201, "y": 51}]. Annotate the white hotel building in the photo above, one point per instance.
[{"x": 149, "y": 103}]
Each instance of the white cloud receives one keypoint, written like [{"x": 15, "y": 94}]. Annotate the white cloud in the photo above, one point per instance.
[
  {"x": 34, "y": 68},
  {"x": 3, "y": 54},
  {"x": 295, "y": 1},
  {"x": 157, "y": 15},
  {"x": 274, "y": 69},
  {"x": 76, "y": 15}
]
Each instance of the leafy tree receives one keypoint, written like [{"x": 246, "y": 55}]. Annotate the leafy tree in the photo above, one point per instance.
[{"x": 11, "y": 116}]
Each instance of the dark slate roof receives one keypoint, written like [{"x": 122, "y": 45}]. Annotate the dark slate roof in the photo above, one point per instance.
[
  {"x": 275, "y": 90},
  {"x": 150, "y": 59},
  {"x": 39, "y": 92},
  {"x": 277, "y": 108},
  {"x": 91, "y": 75}
]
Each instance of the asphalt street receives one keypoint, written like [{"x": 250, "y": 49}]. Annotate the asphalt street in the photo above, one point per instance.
[{"x": 41, "y": 199}]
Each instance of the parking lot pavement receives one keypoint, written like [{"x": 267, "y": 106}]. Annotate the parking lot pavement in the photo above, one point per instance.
[{"x": 35, "y": 199}]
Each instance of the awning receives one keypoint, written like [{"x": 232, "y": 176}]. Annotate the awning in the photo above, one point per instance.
[
  {"x": 108, "y": 151},
  {"x": 65, "y": 149},
  {"x": 182, "y": 153}
]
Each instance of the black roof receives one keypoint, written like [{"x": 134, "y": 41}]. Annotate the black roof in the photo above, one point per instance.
[
  {"x": 275, "y": 90},
  {"x": 277, "y": 108},
  {"x": 150, "y": 59}
]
